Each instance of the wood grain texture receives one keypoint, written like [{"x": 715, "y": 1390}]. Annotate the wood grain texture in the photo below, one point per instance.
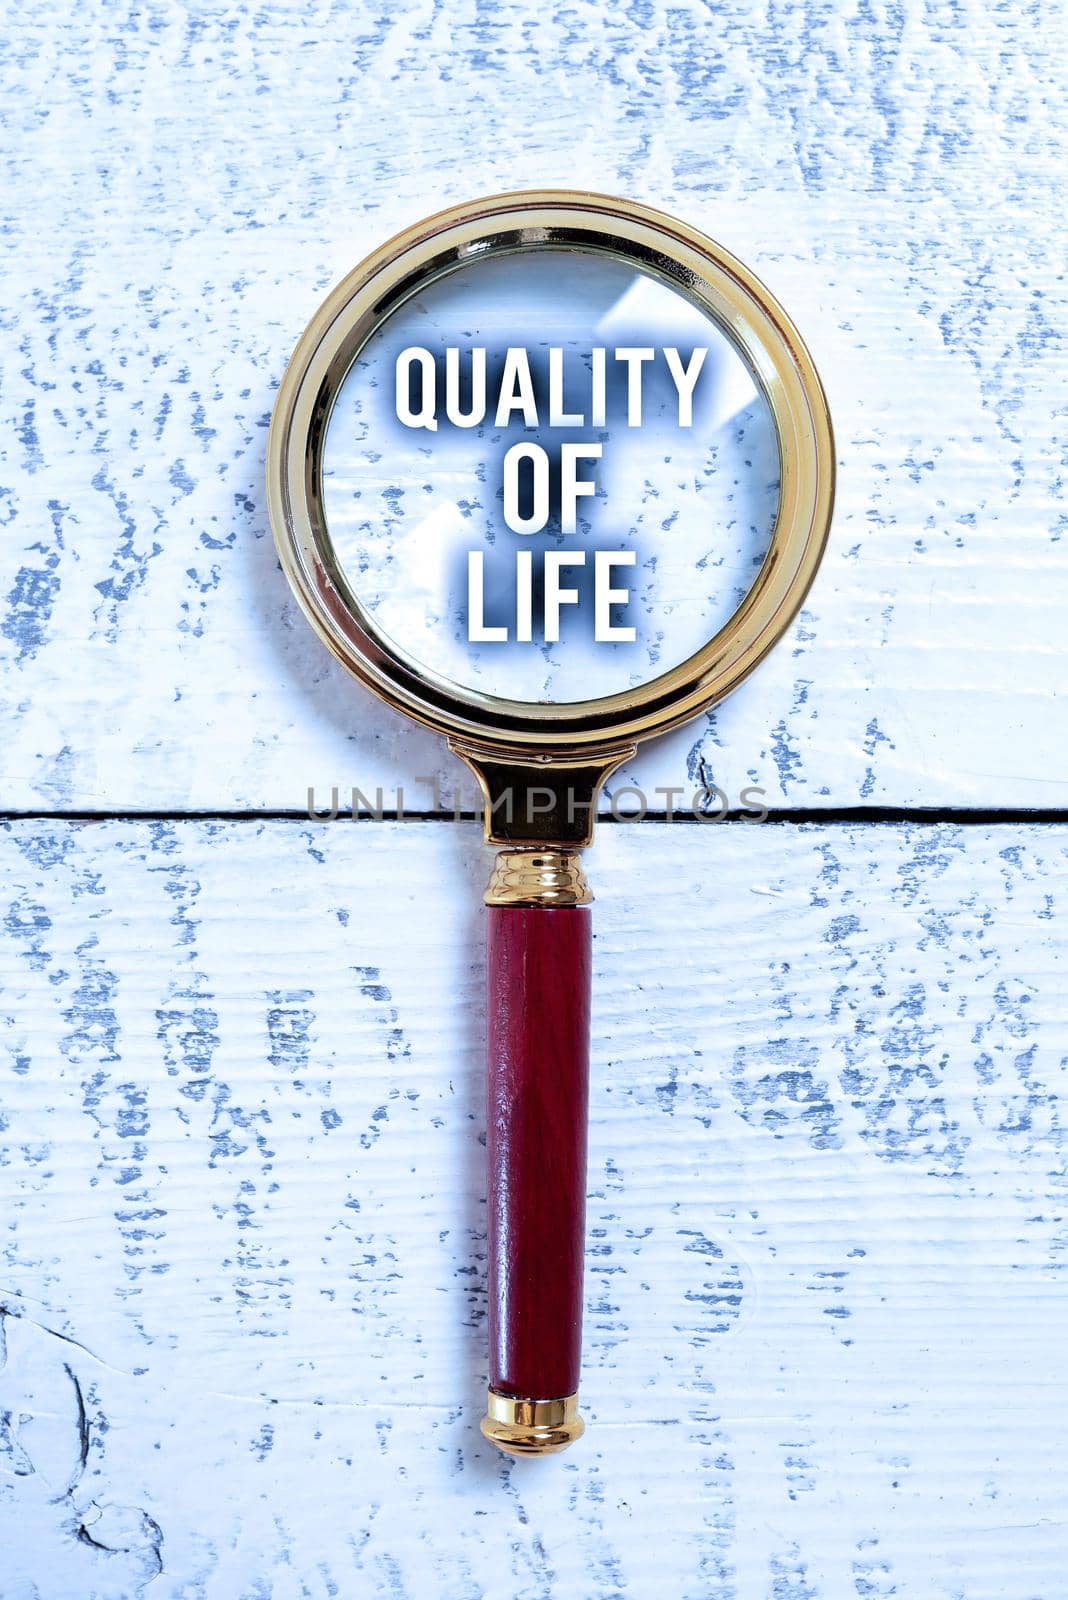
[
  {"x": 243, "y": 1246},
  {"x": 183, "y": 184},
  {"x": 538, "y": 1068}
]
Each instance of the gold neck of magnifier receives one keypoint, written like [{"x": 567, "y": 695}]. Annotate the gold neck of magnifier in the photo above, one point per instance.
[
  {"x": 540, "y": 800},
  {"x": 541, "y": 808}
]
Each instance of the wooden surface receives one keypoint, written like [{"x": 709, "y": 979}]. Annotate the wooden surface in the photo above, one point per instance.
[
  {"x": 183, "y": 187},
  {"x": 241, "y": 1125},
  {"x": 825, "y": 1312}
]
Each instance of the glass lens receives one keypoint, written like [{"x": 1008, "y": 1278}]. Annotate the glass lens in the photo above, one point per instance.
[{"x": 549, "y": 476}]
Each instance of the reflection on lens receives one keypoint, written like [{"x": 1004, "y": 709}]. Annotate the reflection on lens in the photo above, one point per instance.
[{"x": 550, "y": 477}]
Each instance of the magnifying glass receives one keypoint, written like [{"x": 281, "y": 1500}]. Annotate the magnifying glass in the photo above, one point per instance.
[{"x": 551, "y": 473}]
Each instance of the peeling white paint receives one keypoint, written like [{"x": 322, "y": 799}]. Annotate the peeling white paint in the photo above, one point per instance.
[
  {"x": 184, "y": 185},
  {"x": 242, "y": 1184}
]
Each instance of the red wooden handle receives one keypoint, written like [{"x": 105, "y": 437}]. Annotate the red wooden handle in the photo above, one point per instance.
[{"x": 538, "y": 1060}]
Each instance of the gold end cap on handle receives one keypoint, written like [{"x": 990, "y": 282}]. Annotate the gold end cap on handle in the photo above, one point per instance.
[
  {"x": 543, "y": 877},
  {"x": 531, "y": 1427}
]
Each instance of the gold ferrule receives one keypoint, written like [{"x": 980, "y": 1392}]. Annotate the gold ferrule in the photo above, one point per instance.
[
  {"x": 538, "y": 878},
  {"x": 531, "y": 1427}
]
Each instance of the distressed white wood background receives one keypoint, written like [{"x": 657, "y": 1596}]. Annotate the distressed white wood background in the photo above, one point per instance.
[
  {"x": 240, "y": 1127},
  {"x": 243, "y": 1263},
  {"x": 183, "y": 184}
]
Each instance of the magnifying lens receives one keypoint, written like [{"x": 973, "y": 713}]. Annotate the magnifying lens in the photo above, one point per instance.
[{"x": 551, "y": 473}]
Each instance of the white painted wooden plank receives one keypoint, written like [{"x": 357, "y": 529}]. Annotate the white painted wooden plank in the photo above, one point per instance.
[
  {"x": 243, "y": 1246},
  {"x": 181, "y": 187}
]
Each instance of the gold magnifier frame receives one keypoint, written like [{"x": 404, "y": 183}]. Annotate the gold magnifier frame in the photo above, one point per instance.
[{"x": 567, "y": 748}]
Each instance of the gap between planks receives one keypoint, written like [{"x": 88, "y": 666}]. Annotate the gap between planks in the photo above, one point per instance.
[{"x": 798, "y": 816}]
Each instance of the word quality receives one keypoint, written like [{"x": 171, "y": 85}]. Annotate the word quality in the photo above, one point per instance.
[
  {"x": 419, "y": 397},
  {"x": 467, "y": 400}
]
